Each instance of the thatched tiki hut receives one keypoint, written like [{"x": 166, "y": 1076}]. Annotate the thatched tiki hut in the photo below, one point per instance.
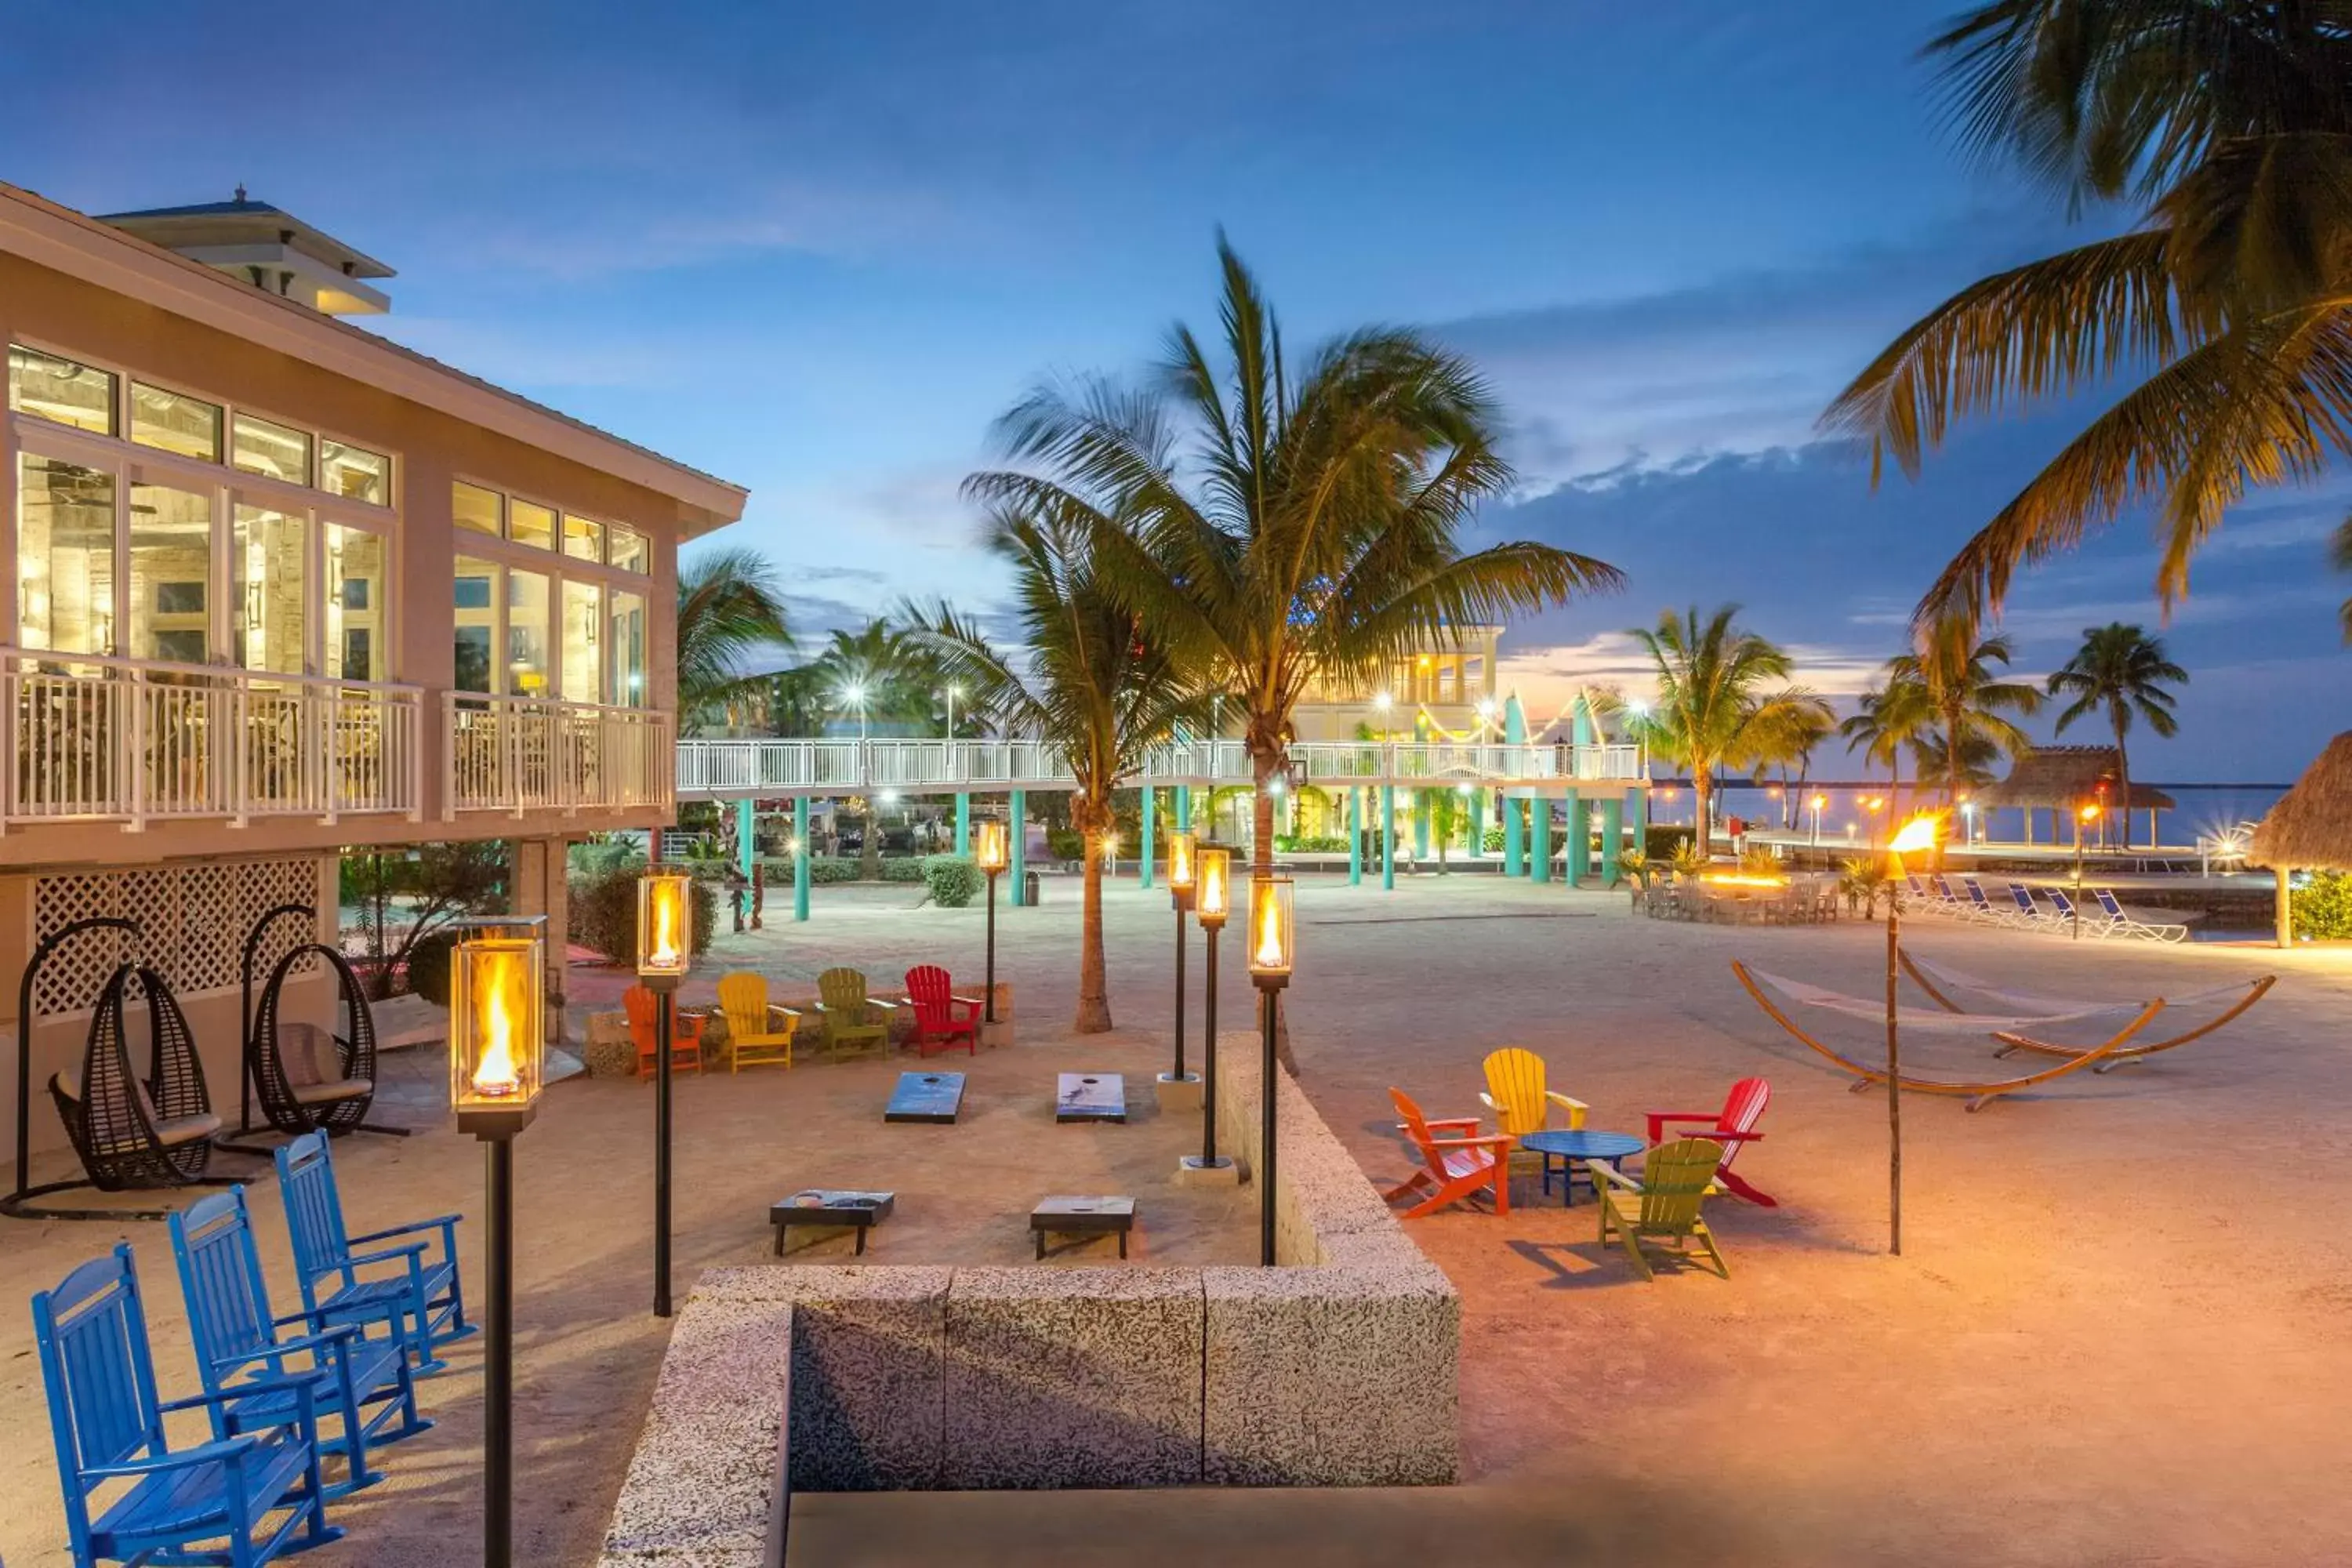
[
  {"x": 2310, "y": 829},
  {"x": 2067, "y": 778}
]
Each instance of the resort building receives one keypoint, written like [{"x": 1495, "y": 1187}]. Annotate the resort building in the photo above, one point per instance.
[
  {"x": 283, "y": 588},
  {"x": 1444, "y": 690}
]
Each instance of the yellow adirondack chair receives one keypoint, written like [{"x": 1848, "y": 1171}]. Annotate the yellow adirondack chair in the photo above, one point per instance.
[
  {"x": 756, "y": 1031},
  {"x": 1515, "y": 1094},
  {"x": 1663, "y": 1203}
]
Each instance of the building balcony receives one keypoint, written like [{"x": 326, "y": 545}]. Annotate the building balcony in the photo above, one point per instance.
[{"x": 521, "y": 754}]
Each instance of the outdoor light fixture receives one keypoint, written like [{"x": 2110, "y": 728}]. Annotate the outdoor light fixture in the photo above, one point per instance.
[
  {"x": 1211, "y": 896},
  {"x": 989, "y": 852},
  {"x": 497, "y": 1047},
  {"x": 1818, "y": 802},
  {"x": 665, "y": 949},
  {"x": 1271, "y": 930},
  {"x": 2083, "y": 817},
  {"x": 1920, "y": 833},
  {"x": 1181, "y": 855}
]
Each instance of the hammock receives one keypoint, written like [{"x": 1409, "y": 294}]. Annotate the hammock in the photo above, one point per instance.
[
  {"x": 1976, "y": 1091},
  {"x": 1936, "y": 979}
]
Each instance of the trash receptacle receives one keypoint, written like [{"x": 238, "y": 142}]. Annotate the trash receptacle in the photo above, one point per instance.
[{"x": 1029, "y": 888}]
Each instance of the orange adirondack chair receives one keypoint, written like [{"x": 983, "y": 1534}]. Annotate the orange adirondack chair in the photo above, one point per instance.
[
  {"x": 941, "y": 1015},
  {"x": 1733, "y": 1126},
  {"x": 685, "y": 1034},
  {"x": 1452, "y": 1168}
]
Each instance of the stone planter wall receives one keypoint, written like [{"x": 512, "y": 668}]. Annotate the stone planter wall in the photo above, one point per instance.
[{"x": 1336, "y": 1368}]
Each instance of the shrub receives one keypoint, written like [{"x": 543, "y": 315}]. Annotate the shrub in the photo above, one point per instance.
[
  {"x": 954, "y": 879},
  {"x": 2322, "y": 908},
  {"x": 429, "y": 966},
  {"x": 604, "y": 914},
  {"x": 1760, "y": 860},
  {"x": 1065, "y": 844},
  {"x": 1311, "y": 843},
  {"x": 603, "y": 853},
  {"x": 1491, "y": 841},
  {"x": 1658, "y": 843},
  {"x": 1636, "y": 867}
]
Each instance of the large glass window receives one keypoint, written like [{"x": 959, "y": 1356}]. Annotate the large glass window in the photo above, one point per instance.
[
  {"x": 529, "y": 524},
  {"x": 632, "y": 551},
  {"x": 355, "y": 473},
  {"x": 59, "y": 389},
  {"x": 626, "y": 615},
  {"x": 65, "y": 556},
  {"x": 170, "y": 574},
  {"x": 584, "y": 538},
  {"x": 261, "y": 448},
  {"x": 526, "y": 633},
  {"x": 477, "y": 603},
  {"x": 582, "y": 661},
  {"x": 268, "y": 599},
  {"x": 356, "y": 617},
  {"x": 175, "y": 422},
  {"x": 472, "y": 507}
]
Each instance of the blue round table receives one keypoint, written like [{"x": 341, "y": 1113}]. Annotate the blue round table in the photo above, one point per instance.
[{"x": 1570, "y": 1147}]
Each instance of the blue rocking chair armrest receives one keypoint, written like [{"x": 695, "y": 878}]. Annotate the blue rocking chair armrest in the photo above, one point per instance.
[
  {"x": 414, "y": 1251},
  {"x": 224, "y": 1450},
  {"x": 305, "y": 1414},
  {"x": 443, "y": 1223},
  {"x": 333, "y": 1338}
]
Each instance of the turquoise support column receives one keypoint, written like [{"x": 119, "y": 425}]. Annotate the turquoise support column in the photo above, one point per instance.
[
  {"x": 801, "y": 858},
  {"x": 1579, "y": 839},
  {"x": 1515, "y": 733},
  {"x": 1183, "y": 808},
  {"x": 1539, "y": 851},
  {"x": 1420, "y": 808},
  {"x": 1388, "y": 838},
  {"x": 1355, "y": 837},
  {"x": 1637, "y": 816},
  {"x": 1477, "y": 823},
  {"x": 1612, "y": 839},
  {"x": 746, "y": 851},
  {"x": 963, "y": 822},
  {"x": 1018, "y": 848},
  {"x": 1144, "y": 862}
]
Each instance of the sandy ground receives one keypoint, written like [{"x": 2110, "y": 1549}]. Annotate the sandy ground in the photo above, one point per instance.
[{"x": 2118, "y": 1333}]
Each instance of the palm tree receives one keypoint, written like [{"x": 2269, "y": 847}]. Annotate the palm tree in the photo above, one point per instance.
[
  {"x": 2229, "y": 122},
  {"x": 730, "y": 609},
  {"x": 1889, "y": 720},
  {"x": 1970, "y": 700},
  {"x": 1788, "y": 741},
  {"x": 2122, "y": 670},
  {"x": 1711, "y": 710},
  {"x": 1288, "y": 526},
  {"x": 1092, "y": 687},
  {"x": 2340, "y": 552}
]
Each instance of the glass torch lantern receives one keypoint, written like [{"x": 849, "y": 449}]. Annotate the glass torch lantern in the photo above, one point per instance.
[
  {"x": 990, "y": 851},
  {"x": 1272, "y": 932},
  {"x": 1180, "y": 861},
  {"x": 497, "y": 1041},
  {"x": 1213, "y": 892},
  {"x": 665, "y": 925}
]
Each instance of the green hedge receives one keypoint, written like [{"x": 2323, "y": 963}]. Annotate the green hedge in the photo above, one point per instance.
[
  {"x": 829, "y": 870},
  {"x": 2322, "y": 908},
  {"x": 1660, "y": 842},
  {"x": 1311, "y": 843},
  {"x": 604, "y": 914},
  {"x": 954, "y": 879}
]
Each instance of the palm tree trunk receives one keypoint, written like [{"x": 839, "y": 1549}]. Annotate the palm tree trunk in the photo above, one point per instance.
[
  {"x": 1093, "y": 989},
  {"x": 1703, "y": 791},
  {"x": 2123, "y": 779}
]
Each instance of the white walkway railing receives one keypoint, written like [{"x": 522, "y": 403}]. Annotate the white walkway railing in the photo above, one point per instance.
[
  {"x": 520, "y": 755},
  {"x": 137, "y": 740},
  {"x": 738, "y": 769}
]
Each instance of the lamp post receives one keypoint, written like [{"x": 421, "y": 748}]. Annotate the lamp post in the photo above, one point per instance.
[
  {"x": 1818, "y": 802},
  {"x": 498, "y": 1046},
  {"x": 991, "y": 854},
  {"x": 1272, "y": 930},
  {"x": 665, "y": 949},
  {"x": 1213, "y": 901},
  {"x": 1180, "y": 850},
  {"x": 953, "y": 692},
  {"x": 2085, "y": 815},
  {"x": 855, "y": 695},
  {"x": 1919, "y": 833}
]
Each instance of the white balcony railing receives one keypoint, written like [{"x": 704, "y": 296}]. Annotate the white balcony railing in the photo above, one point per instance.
[
  {"x": 137, "y": 740},
  {"x": 520, "y": 755}
]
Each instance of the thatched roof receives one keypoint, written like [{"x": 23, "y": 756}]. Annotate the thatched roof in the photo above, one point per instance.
[
  {"x": 2067, "y": 776},
  {"x": 2310, "y": 829}
]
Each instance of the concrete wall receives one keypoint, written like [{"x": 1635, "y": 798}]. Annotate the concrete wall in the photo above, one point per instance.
[{"x": 1337, "y": 1368}]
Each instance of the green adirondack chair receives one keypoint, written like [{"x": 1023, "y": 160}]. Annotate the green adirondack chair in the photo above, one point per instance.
[
  {"x": 852, "y": 1020},
  {"x": 1662, "y": 1204}
]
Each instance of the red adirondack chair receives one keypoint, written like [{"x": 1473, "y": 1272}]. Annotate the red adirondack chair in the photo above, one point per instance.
[
  {"x": 1453, "y": 1167},
  {"x": 685, "y": 1034},
  {"x": 1734, "y": 1127},
  {"x": 941, "y": 1018}
]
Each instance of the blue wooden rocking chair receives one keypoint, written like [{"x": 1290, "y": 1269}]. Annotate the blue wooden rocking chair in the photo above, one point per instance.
[
  {"x": 424, "y": 1302},
  {"x": 207, "y": 1504},
  {"x": 236, "y": 1341}
]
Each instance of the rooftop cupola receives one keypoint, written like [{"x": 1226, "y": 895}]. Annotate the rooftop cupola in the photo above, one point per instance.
[{"x": 268, "y": 248}]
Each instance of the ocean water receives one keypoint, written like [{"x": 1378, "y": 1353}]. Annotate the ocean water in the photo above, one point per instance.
[{"x": 2204, "y": 809}]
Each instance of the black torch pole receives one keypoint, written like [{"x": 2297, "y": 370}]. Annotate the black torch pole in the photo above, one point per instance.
[
  {"x": 665, "y": 998},
  {"x": 1209, "y": 1052},
  {"x": 989, "y": 992},
  {"x": 1267, "y": 1085},
  {"x": 498, "y": 1368},
  {"x": 1178, "y": 1076}
]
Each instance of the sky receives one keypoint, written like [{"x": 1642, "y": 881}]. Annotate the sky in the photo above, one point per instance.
[{"x": 817, "y": 250}]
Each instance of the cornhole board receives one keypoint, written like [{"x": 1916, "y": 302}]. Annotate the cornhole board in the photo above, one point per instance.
[
  {"x": 1090, "y": 1096},
  {"x": 1082, "y": 1217},
  {"x": 931, "y": 1097},
  {"x": 829, "y": 1206}
]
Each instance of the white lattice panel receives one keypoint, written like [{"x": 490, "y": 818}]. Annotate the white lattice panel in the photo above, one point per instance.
[{"x": 195, "y": 918}]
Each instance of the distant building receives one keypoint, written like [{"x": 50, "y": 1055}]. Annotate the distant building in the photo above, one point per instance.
[{"x": 1431, "y": 693}]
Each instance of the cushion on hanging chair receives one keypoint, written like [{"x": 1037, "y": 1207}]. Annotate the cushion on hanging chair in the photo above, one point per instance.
[
  {"x": 309, "y": 1057},
  {"x": 341, "y": 1088},
  {"x": 170, "y": 1134},
  {"x": 186, "y": 1129}
]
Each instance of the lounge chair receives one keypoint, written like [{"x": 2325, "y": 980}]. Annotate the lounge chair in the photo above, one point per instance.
[
  {"x": 1663, "y": 1203},
  {"x": 1950, "y": 902},
  {"x": 1732, "y": 1127},
  {"x": 2030, "y": 915},
  {"x": 2121, "y": 922},
  {"x": 1453, "y": 1169}
]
